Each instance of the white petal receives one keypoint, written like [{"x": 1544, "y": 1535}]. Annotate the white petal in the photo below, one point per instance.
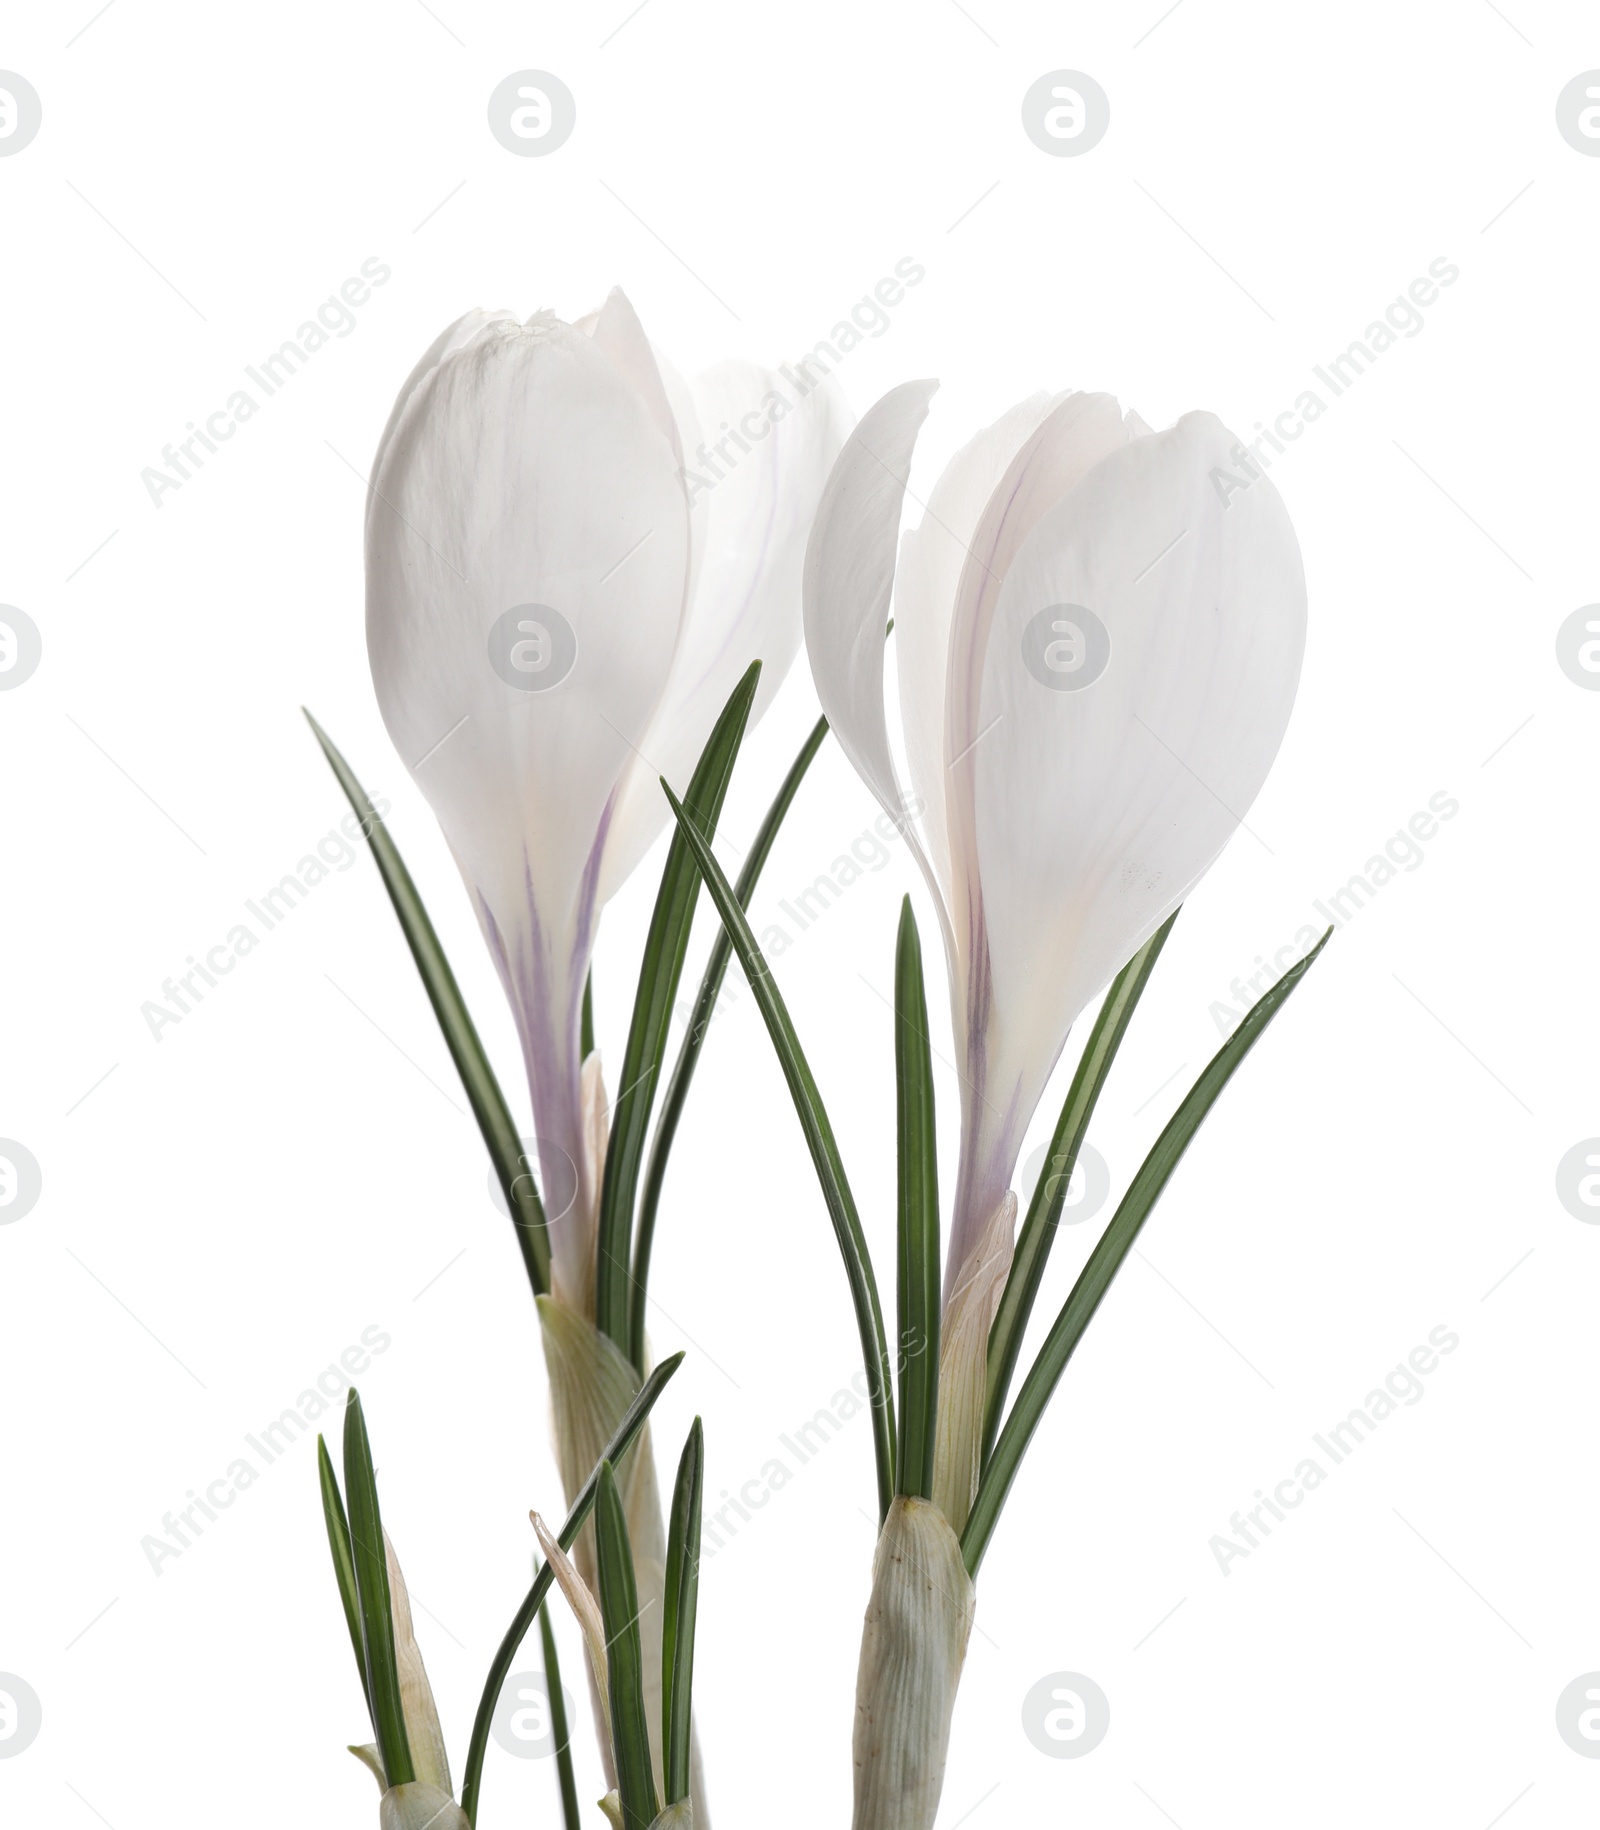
[
  {"x": 849, "y": 577},
  {"x": 617, "y": 332},
  {"x": 456, "y": 336},
  {"x": 1078, "y": 431},
  {"x": 524, "y": 469},
  {"x": 746, "y": 604},
  {"x": 1098, "y": 809},
  {"x": 931, "y": 560}
]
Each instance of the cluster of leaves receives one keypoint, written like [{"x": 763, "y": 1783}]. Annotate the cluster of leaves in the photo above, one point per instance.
[
  {"x": 629, "y": 1208},
  {"x": 904, "y": 1458},
  {"x": 626, "y": 1236}
]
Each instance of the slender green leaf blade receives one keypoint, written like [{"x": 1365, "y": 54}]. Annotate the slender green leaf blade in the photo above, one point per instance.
[
  {"x": 824, "y": 1153},
  {"x": 659, "y": 973},
  {"x": 918, "y": 1343},
  {"x": 586, "y": 1020},
  {"x": 372, "y": 1594},
  {"x": 632, "y": 1423},
  {"x": 679, "y": 1606},
  {"x": 619, "y": 1609},
  {"x": 460, "y": 1034},
  {"x": 344, "y": 1568},
  {"x": 677, "y": 1092},
  {"x": 560, "y": 1730},
  {"x": 1105, "y": 1260},
  {"x": 1038, "y": 1231}
]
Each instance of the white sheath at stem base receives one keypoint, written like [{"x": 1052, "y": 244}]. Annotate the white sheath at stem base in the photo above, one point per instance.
[
  {"x": 420, "y": 1806},
  {"x": 913, "y": 1645},
  {"x": 592, "y": 1383}
]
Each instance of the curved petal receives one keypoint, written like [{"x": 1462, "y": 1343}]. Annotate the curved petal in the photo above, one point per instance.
[
  {"x": 524, "y": 470},
  {"x": 849, "y": 576},
  {"x": 454, "y": 337},
  {"x": 1077, "y": 432},
  {"x": 926, "y": 581},
  {"x": 758, "y": 503},
  {"x": 1098, "y": 808},
  {"x": 616, "y": 331}
]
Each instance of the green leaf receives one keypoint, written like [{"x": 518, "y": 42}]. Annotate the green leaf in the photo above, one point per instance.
[
  {"x": 344, "y": 1568},
  {"x": 560, "y": 1732},
  {"x": 371, "y": 1569},
  {"x": 824, "y": 1152},
  {"x": 1105, "y": 1260},
  {"x": 586, "y": 1021},
  {"x": 632, "y": 1423},
  {"x": 619, "y": 1609},
  {"x": 918, "y": 1343},
  {"x": 659, "y": 973},
  {"x": 677, "y": 1092},
  {"x": 1038, "y": 1232},
  {"x": 461, "y": 1037},
  {"x": 679, "y": 1605}
]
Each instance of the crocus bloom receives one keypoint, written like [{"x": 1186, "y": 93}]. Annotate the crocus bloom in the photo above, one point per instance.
[
  {"x": 556, "y": 613},
  {"x": 1099, "y": 632}
]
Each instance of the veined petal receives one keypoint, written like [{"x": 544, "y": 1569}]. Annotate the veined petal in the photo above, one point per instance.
[
  {"x": 932, "y": 557},
  {"x": 1098, "y": 808},
  {"x": 757, "y": 505},
  {"x": 1077, "y": 432},
  {"x": 454, "y": 337},
  {"x": 617, "y": 332},
  {"x": 523, "y": 471},
  {"x": 849, "y": 577}
]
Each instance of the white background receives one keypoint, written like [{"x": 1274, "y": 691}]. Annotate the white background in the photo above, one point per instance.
[{"x": 229, "y": 1207}]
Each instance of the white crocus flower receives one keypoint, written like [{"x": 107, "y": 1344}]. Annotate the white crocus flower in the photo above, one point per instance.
[
  {"x": 555, "y": 616},
  {"x": 1099, "y": 635}
]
